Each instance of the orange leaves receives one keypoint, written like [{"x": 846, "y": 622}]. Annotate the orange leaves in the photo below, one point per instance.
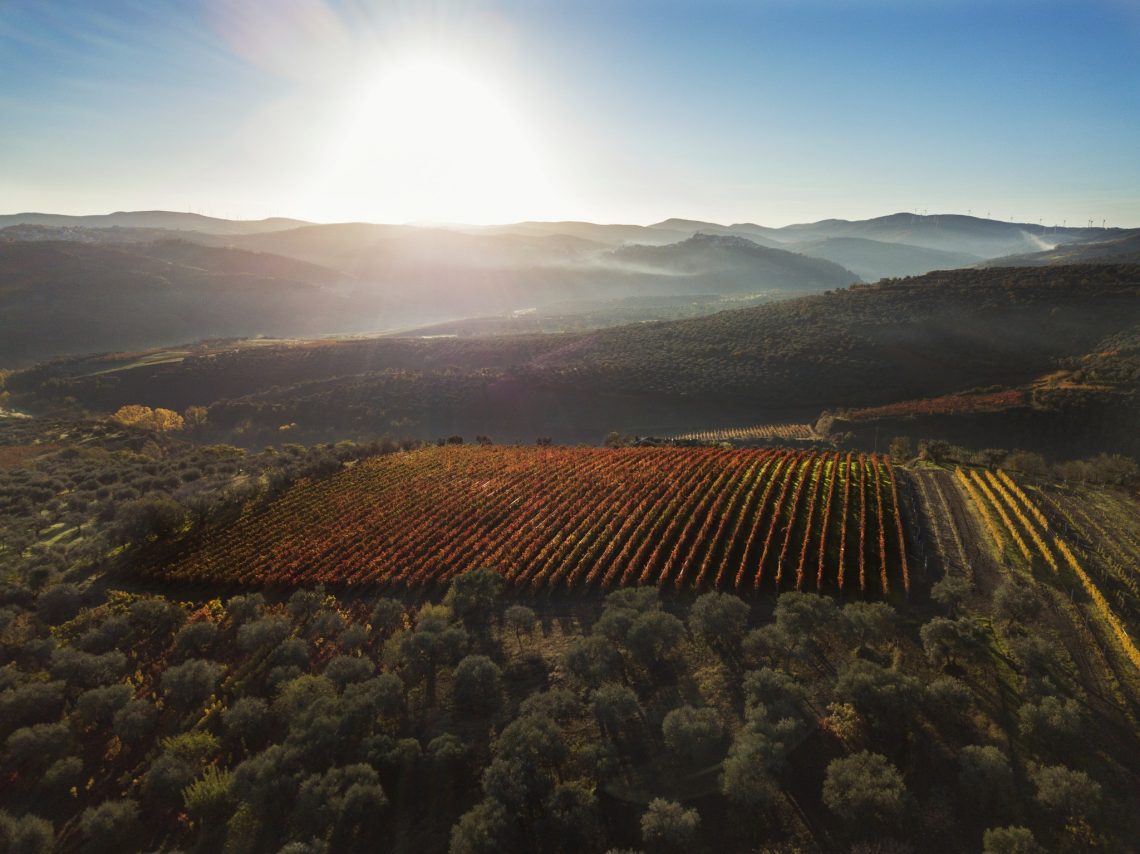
[{"x": 550, "y": 517}]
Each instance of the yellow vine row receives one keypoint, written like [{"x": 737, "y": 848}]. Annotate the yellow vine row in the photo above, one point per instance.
[
  {"x": 1017, "y": 490},
  {"x": 981, "y": 505},
  {"x": 1009, "y": 526},
  {"x": 1101, "y": 604},
  {"x": 1042, "y": 547}
]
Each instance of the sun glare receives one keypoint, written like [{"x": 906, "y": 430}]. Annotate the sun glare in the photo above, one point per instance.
[{"x": 437, "y": 141}]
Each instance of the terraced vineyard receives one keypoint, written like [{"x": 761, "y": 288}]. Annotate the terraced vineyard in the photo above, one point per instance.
[{"x": 572, "y": 517}]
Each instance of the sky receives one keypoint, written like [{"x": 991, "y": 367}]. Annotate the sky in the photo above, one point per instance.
[{"x": 769, "y": 111}]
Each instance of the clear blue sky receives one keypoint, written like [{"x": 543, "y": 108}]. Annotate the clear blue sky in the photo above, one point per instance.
[{"x": 771, "y": 111}]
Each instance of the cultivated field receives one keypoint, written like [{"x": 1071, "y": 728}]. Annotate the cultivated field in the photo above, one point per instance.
[
  {"x": 572, "y": 517},
  {"x": 755, "y": 432}
]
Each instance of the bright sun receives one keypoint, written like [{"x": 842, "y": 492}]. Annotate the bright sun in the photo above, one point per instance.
[{"x": 438, "y": 142}]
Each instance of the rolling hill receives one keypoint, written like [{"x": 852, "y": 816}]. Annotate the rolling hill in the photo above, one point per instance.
[
  {"x": 59, "y": 298},
  {"x": 873, "y": 259},
  {"x": 865, "y": 346},
  {"x": 1123, "y": 250}
]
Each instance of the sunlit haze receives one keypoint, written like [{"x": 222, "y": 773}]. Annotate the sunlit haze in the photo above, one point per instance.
[{"x": 482, "y": 112}]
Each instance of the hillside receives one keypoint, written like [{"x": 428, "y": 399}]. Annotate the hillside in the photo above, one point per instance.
[
  {"x": 383, "y": 278},
  {"x": 60, "y": 298},
  {"x": 985, "y": 238},
  {"x": 864, "y": 346},
  {"x": 348, "y": 278},
  {"x": 1122, "y": 250},
  {"x": 872, "y": 260},
  {"x": 727, "y": 263}
]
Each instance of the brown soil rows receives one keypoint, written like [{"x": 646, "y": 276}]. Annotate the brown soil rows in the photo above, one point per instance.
[{"x": 986, "y": 571}]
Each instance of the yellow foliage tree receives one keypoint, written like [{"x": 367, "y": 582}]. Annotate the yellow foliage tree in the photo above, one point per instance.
[{"x": 145, "y": 418}]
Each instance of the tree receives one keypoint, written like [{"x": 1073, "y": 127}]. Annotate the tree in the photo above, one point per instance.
[
  {"x": 432, "y": 643},
  {"x": 337, "y": 801},
  {"x": 720, "y": 620},
  {"x": 59, "y": 604},
  {"x": 616, "y": 709},
  {"x": 985, "y": 779},
  {"x": 868, "y": 622},
  {"x": 97, "y": 707},
  {"x": 614, "y": 439},
  {"x": 757, "y": 758},
  {"x": 474, "y": 597},
  {"x": 945, "y": 641},
  {"x": 25, "y": 834},
  {"x": 344, "y": 669},
  {"x": 134, "y": 723},
  {"x": 153, "y": 516},
  {"x": 387, "y": 616},
  {"x": 695, "y": 735},
  {"x": 560, "y": 704},
  {"x": 884, "y": 698},
  {"x": 653, "y": 637},
  {"x": 528, "y": 755},
  {"x": 207, "y": 799},
  {"x": 936, "y": 451},
  {"x": 478, "y": 686},
  {"x": 110, "y": 826},
  {"x": 194, "y": 418},
  {"x": 901, "y": 449},
  {"x": 244, "y": 722},
  {"x": 1010, "y": 840},
  {"x": 593, "y": 660},
  {"x": 32, "y": 748},
  {"x": 191, "y": 683},
  {"x": 570, "y": 819},
  {"x": 1050, "y": 719},
  {"x": 1068, "y": 793},
  {"x": 950, "y": 592},
  {"x": 480, "y": 830},
  {"x": 774, "y": 691},
  {"x": 195, "y": 640},
  {"x": 1016, "y": 603},
  {"x": 145, "y": 418},
  {"x": 864, "y": 786},
  {"x": 667, "y": 826},
  {"x": 992, "y": 457},
  {"x": 521, "y": 619}
]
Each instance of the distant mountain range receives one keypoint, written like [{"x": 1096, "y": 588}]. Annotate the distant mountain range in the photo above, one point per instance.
[
  {"x": 170, "y": 220},
  {"x": 135, "y": 279}
]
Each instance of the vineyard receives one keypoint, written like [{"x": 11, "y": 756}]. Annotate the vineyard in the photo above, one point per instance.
[
  {"x": 575, "y": 517},
  {"x": 1013, "y": 518},
  {"x": 756, "y": 432},
  {"x": 950, "y": 404}
]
